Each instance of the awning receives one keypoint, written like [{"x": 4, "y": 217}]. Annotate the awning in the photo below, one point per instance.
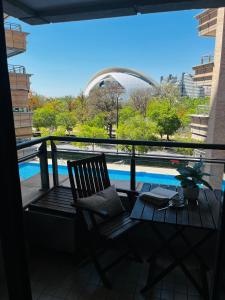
[{"x": 50, "y": 11}]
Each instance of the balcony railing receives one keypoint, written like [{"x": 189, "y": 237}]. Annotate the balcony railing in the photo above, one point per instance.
[
  {"x": 12, "y": 26},
  {"x": 203, "y": 110},
  {"x": 16, "y": 69},
  {"x": 132, "y": 156}
]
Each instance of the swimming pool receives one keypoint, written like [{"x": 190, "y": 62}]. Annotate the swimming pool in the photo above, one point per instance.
[{"x": 28, "y": 170}]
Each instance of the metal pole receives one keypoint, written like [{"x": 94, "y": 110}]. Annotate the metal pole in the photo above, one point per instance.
[
  {"x": 54, "y": 164},
  {"x": 11, "y": 212},
  {"x": 133, "y": 170},
  {"x": 117, "y": 114},
  {"x": 44, "y": 166},
  {"x": 117, "y": 121}
]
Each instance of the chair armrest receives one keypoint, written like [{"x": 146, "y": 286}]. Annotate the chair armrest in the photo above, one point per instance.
[
  {"x": 130, "y": 199},
  {"x": 128, "y": 192},
  {"x": 101, "y": 213}
]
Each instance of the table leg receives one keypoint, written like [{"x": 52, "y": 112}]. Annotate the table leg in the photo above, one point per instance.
[{"x": 177, "y": 261}]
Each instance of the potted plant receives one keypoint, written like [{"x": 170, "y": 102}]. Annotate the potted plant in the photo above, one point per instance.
[{"x": 191, "y": 178}]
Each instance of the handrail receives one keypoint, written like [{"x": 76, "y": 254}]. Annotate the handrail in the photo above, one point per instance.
[
  {"x": 24, "y": 145},
  {"x": 123, "y": 142},
  {"x": 12, "y": 26},
  {"x": 17, "y": 69},
  {"x": 43, "y": 153},
  {"x": 145, "y": 156}
]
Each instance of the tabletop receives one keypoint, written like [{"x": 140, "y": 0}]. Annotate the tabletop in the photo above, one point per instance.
[{"x": 205, "y": 215}]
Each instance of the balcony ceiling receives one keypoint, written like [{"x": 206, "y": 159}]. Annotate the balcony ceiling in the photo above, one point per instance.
[{"x": 41, "y": 12}]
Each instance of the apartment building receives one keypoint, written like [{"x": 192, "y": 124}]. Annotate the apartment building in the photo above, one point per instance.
[
  {"x": 19, "y": 81},
  {"x": 203, "y": 72},
  {"x": 207, "y": 23}
]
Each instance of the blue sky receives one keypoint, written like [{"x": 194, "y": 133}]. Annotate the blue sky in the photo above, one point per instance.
[{"x": 63, "y": 57}]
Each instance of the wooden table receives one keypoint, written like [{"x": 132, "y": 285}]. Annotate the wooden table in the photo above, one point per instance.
[{"x": 204, "y": 216}]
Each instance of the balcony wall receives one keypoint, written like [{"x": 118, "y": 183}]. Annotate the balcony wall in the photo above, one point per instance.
[
  {"x": 199, "y": 126},
  {"x": 207, "y": 22},
  {"x": 15, "y": 42},
  {"x": 20, "y": 98},
  {"x": 204, "y": 68},
  {"x": 23, "y": 124},
  {"x": 19, "y": 81}
]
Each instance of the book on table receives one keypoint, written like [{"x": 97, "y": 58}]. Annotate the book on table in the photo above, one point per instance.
[{"x": 159, "y": 196}]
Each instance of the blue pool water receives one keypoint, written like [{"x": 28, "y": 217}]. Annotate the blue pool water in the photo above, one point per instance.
[{"x": 28, "y": 170}]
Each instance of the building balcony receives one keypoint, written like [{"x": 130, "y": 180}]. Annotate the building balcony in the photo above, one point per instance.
[
  {"x": 204, "y": 69},
  {"x": 23, "y": 124},
  {"x": 199, "y": 123},
  {"x": 19, "y": 98},
  {"x": 207, "y": 22},
  {"x": 19, "y": 79},
  {"x": 15, "y": 39},
  {"x": 204, "y": 73}
]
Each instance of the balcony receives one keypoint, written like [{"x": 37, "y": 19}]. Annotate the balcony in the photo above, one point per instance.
[
  {"x": 207, "y": 22},
  {"x": 15, "y": 39},
  {"x": 23, "y": 124},
  {"x": 19, "y": 79},
  {"x": 19, "y": 98},
  {"x": 51, "y": 237},
  {"x": 199, "y": 123}
]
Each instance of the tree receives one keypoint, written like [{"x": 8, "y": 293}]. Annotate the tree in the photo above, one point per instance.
[
  {"x": 69, "y": 102},
  {"x": 137, "y": 128},
  {"x": 81, "y": 109},
  {"x": 165, "y": 117},
  {"x": 170, "y": 92},
  {"x": 100, "y": 120},
  {"x": 168, "y": 123},
  {"x": 89, "y": 132},
  {"x": 126, "y": 113},
  {"x": 106, "y": 100},
  {"x": 44, "y": 117},
  {"x": 66, "y": 119},
  {"x": 35, "y": 101},
  {"x": 139, "y": 99},
  {"x": 55, "y": 105}
]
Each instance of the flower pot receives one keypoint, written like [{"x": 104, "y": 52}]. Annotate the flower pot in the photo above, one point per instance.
[{"x": 191, "y": 193}]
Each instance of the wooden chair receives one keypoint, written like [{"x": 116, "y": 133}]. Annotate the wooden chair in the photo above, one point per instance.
[{"x": 87, "y": 177}]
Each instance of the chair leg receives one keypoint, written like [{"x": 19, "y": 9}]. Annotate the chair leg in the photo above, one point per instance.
[{"x": 99, "y": 269}]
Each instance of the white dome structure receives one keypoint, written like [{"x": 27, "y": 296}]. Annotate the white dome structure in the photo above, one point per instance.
[{"x": 129, "y": 80}]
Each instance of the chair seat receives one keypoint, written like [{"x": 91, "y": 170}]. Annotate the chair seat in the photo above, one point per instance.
[{"x": 117, "y": 226}]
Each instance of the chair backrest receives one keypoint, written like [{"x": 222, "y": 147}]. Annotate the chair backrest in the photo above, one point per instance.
[{"x": 88, "y": 176}]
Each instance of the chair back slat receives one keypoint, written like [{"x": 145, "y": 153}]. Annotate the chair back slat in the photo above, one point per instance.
[
  {"x": 72, "y": 182},
  {"x": 78, "y": 181},
  {"x": 96, "y": 182},
  {"x": 99, "y": 177},
  {"x": 88, "y": 176},
  {"x": 104, "y": 173},
  {"x": 87, "y": 180},
  {"x": 82, "y": 180},
  {"x": 91, "y": 178}
]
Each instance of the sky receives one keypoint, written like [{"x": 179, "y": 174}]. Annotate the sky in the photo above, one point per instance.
[{"x": 63, "y": 57}]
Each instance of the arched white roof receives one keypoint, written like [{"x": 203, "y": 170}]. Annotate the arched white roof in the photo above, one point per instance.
[{"x": 128, "y": 79}]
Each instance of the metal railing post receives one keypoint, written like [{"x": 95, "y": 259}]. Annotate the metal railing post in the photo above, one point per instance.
[
  {"x": 43, "y": 155},
  {"x": 133, "y": 170},
  {"x": 54, "y": 164}
]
